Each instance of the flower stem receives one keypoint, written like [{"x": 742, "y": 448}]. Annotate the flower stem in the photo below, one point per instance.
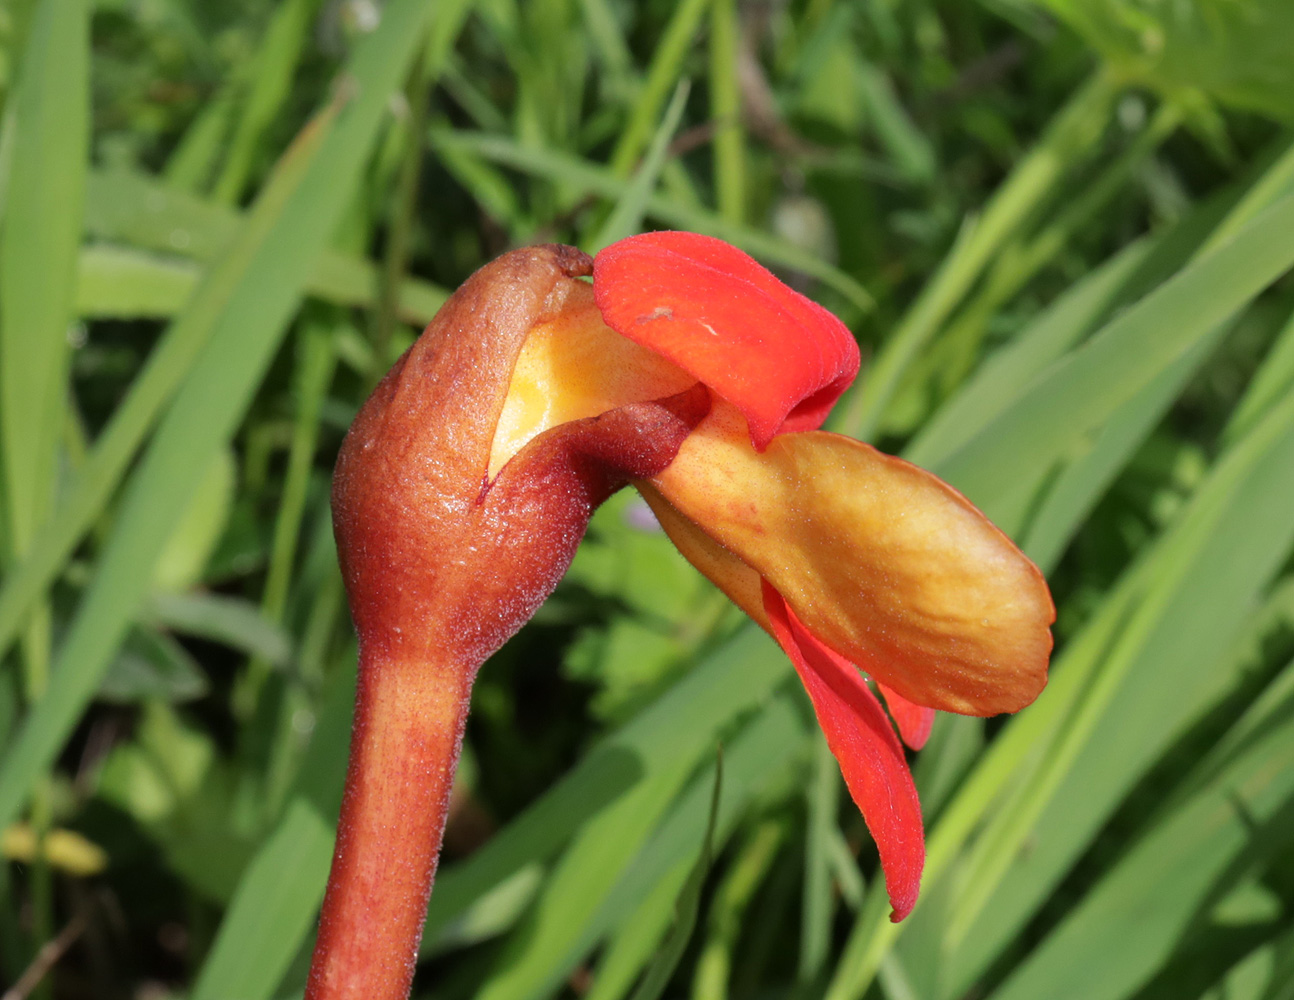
[{"x": 409, "y": 719}]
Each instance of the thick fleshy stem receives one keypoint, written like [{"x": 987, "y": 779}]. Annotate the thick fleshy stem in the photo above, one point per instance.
[{"x": 409, "y": 720}]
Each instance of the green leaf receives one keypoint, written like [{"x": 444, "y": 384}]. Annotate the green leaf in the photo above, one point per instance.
[
  {"x": 121, "y": 282},
  {"x": 1008, "y": 372},
  {"x": 289, "y": 871},
  {"x": 1129, "y": 275},
  {"x": 662, "y": 76},
  {"x": 170, "y": 362},
  {"x": 184, "y": 556},
  {"x": 612, "y": 867},
  {"x": 725, "y": 110},
  {"x": 1059, "y": 768},
  {"x": 544, "y": 949},
  {"x": 1070, "y": 497},
  {"x": 1274, "y": 381},
  {"x": 1072, "y": 134},
  {"x": 193, "y": 162},
  {"x": 731, "y": 903},
  {"x": 153, "y": 665},
  {"x": 482, "y": 895},
  {"x": 138, "y": 211},
  {"x": 117, "y": 282},
  {"x": 910, "y": 151},
  {"x": 823, "y": 795},
  {"x": 269, "y": 89},
  {"x": 757, "y": 755},
  {"x": 637, "y": 939},
  {"x": 165, "y": 764},
  {"x": 233, "y": 621}
]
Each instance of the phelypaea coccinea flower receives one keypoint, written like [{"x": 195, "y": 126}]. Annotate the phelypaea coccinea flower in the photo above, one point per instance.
[{"x": 690, "y": 371}]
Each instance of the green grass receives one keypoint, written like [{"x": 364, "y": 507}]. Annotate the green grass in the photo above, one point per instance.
[{"x": 1063, "y": 233}]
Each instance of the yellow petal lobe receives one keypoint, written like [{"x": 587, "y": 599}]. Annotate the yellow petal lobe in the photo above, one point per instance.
[
  {"x": 572, "y": 366},
  {"x": 885, "y": 563}
]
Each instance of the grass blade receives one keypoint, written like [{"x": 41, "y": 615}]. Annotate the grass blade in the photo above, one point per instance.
[
  {"x": 567, "y": 925},
  {"x": 737, "y": 678},
  {"x": 676, "y": 729},
  {"x": 98, "y": 476},
  {"x": 1070, "y": 498},
  {"x": 1079, "y": 392},
  {"x": 289, "y": 872},
  {"x": 248, "y": 960},
  {"x": 666, "y": 66},
  {"x": 117, "y": 282},
  {"x": 273, "y": 67},
  {"x": 38, "y": 245},
  {"x": 1154, "y": 908},
  {"x": 1171, "y": 615},
  {"x": 1074, "y": 131},
  {"x": 1209, "y": 576},
  {"x": 689, "y": 903},
  {"x": 565, "y": 168},
  {"x": 1008, "y": 372},
  {"x": 725, "y": 111},
  {"x": 626, "y": 219},
  {"x": 823, "y": 796}
]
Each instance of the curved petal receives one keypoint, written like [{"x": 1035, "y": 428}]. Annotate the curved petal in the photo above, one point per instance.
[
  {"x": 778, "y": 357},
  {"x": 890, "y": 567},
  {"x": 870, "y": 756},
  {"x": 914, "y": 721}
]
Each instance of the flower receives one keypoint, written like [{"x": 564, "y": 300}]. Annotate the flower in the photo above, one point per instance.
[
  {"x": 849, "y": 558},
  {"x": 686, "y": 368}
]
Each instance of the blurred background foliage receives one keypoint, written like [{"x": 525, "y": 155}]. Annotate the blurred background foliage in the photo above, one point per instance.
[{"x": 1062, "y": 232}]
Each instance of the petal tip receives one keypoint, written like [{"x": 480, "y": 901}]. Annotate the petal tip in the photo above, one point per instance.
[{"x": 863, "y": 742}]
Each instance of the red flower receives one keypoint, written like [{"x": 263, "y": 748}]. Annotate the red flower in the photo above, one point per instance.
[
  {"x": 691, "y": 371},
  {"x": 848, "y": 557}
]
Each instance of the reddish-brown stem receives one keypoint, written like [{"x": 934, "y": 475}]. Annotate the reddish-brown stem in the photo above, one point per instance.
[
  {"x": 409, "y": 719},
  {"x": 442, "y": 564}
]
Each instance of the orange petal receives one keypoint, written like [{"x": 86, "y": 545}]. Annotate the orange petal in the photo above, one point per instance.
[
  {"x": 744, "y": 587},
  {"x": 914, "y": 721},
  {"x": 869, "y": 754},
  {"x": 777, "y": 356},
  {"x": 890, "y": 567}
]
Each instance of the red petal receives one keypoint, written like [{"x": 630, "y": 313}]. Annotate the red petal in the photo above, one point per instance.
[
  {"x": 914, "y": 721},
  {"x": 778, "y": 357},
  {"x": 869, "y": 753}
]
